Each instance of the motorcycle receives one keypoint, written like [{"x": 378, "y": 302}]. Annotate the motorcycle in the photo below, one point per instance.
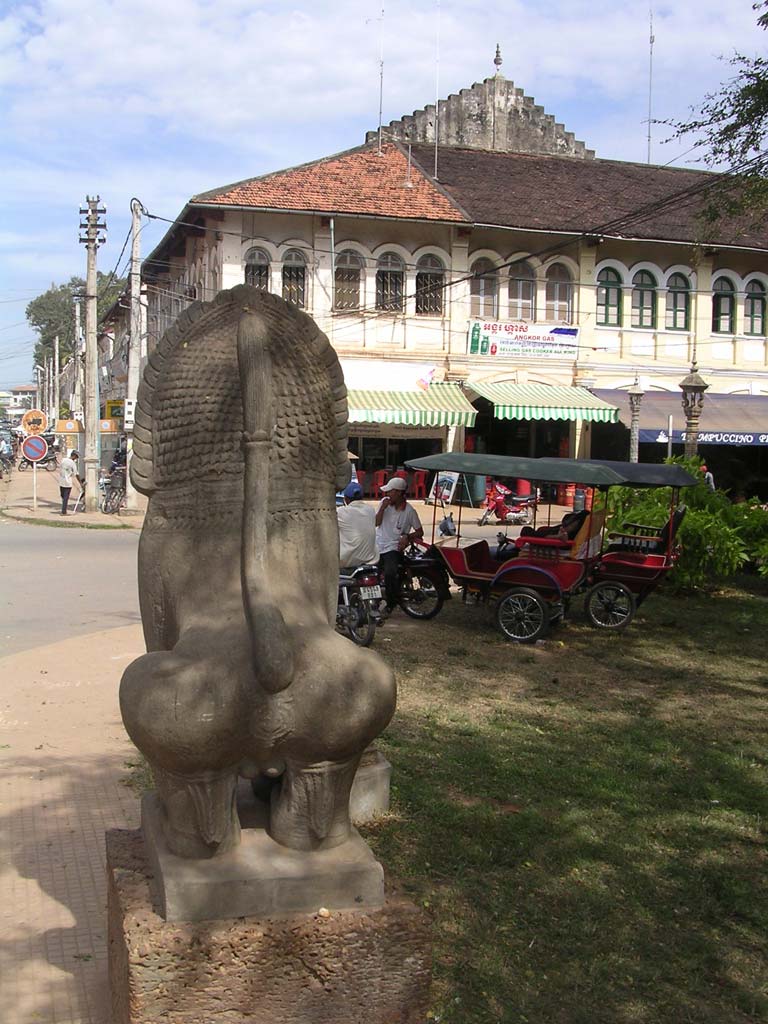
[
  {"x": 424, "y": 583},
  {"x": 50, "y": 462},
  {"x": 357, "y": 611},
  {"x": 506, "y": 506}
]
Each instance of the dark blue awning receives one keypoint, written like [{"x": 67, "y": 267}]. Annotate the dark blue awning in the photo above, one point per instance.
[{"x": 725, "y": 419}]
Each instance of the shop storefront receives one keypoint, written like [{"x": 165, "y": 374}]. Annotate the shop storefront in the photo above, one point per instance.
[
  {"x": 733, "y": 435},
  {"x": 536, "y": 420},
  {"x": 388, "y": 427}
]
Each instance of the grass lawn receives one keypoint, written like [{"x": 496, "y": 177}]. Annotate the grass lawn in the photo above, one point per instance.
[{"x": 585, "y": 819}]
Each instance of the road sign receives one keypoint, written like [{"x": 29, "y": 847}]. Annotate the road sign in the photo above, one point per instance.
[
  {"x": 34, "y": 448},
  {"x": 34, "y": 421}
]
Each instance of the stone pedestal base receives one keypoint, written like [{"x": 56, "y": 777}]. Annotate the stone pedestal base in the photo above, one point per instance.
[
  {"x": 259, "y": 878},
  {"x": 358, "y": 967}
]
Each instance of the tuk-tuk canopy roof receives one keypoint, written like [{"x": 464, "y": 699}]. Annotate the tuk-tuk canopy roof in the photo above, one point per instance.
[{"x": 591, "y": 472}]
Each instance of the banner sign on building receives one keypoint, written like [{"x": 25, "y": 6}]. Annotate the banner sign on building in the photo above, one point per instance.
[
  {"x": 734, "y": 437},
  {"x": 515, "y": 339}
]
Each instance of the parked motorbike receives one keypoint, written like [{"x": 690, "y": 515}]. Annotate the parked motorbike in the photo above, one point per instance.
[
  {"x": 424, "y": 584},
  {"x": 50, "y": 462},
  {"x": 506, "y": 506},
  {"x": 359, "y": 595}
]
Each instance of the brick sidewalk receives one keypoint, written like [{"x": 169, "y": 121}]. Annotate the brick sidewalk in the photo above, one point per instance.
[
  {"x": 63, "y": 750},
  {"x": 16, "y": 501}
]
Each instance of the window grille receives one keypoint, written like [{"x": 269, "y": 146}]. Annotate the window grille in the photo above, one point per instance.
[
  {"x": 430, "y": 281},
  {"x": 294, "y": 277},
  {"x": 257, "y": 269},
  {"x": 346, "y": 293},
  {"x": 389, "y": 283}
]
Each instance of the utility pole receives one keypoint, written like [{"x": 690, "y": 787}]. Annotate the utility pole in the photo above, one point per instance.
[
  {"x": 91, "y": 237},
  {"x": 48, "y": 386},
  {"x": 56, "y": 383},
  {"x": 134, "y": 349},
  {"x": 78, "y": 357}
]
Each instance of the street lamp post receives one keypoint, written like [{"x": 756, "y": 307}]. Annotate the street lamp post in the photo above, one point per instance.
[
  {"x": 635, "y": 398},
  {"x": 693, "y": 388}
]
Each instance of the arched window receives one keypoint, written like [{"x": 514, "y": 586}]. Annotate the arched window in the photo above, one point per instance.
[
  {"x": 678, "y": 315},
  {"x": 644, "y": 299},
  {"x": 430, "y": 281},
  {"x": 522, "y": 292},
  {"x": 484, "y": 289},
  {"x": 349, "y": 267},
  {"x": 609, "y": 298},
  {"x": 257, "y": 269},
  {"x": 723, "y": 306},
  {"x": 559, "y": 293},
  {"x": 390, "y": 274},
  {"x": 295, "y": 277},
  {"x": 754, "y": 309}
]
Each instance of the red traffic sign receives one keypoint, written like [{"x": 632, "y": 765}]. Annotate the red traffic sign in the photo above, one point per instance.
[{"x": 34, "y": 448}]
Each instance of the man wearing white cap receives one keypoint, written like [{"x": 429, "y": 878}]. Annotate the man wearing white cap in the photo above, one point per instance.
[{"x": 397, "y": 525}]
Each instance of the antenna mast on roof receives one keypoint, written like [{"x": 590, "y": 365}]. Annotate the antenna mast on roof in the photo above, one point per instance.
[
  {"x": 437, "y": 85},
  {"x": 651, "y": 41},
  {"x": 381, "y": 73}
]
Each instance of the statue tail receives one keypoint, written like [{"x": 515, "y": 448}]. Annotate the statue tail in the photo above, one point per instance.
[{"x": 270, "y": 640}]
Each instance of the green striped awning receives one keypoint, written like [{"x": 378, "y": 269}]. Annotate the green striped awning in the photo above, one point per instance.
[
  {"x": 440, "y": 405},
  {"x": 437, "y": 406},
  {"x": 544, "y": 402}
]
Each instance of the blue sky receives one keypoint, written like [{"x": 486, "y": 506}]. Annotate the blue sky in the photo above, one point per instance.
[{"x": 164, "y": 100}]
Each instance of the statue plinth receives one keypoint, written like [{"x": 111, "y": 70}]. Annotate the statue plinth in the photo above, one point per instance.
[
  {"x": 259, "y": 877},
  {"x": 351, "y": 967}
]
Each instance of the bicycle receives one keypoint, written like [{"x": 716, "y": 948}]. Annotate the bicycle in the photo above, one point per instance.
[{"x": 114, "y": 493}]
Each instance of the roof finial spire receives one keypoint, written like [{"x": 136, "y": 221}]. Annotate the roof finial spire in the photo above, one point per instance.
[{"x": 497, "y": 59}]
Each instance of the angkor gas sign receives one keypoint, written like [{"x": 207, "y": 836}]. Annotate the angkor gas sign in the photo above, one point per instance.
[{"x": 517, "y": 339}]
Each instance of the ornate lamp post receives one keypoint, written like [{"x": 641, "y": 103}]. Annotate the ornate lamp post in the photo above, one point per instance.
[
  {"x": 635, "y": 398},
  {"x": 693, "y": 387}
]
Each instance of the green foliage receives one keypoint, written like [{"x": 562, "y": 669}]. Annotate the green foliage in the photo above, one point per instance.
[
  {"x": 717, "y": 537},
  {"x": 731, "y": 125},
  {"x": 53, "y": 313}
]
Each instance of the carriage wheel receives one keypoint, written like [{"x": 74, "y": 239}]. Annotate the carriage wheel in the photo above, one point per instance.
[
  {"x": 610, "y": 606},
  {"x": 523, "y": 616}
]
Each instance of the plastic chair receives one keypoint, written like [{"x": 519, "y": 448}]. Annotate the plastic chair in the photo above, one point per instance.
[
  {"x": 361, "y": 479},
  {"x": 380, "y": 477},
  {"x": 419, "y": 484}
]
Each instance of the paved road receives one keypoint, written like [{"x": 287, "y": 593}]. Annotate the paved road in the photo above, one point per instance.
[{"x": 60, "y": 583}]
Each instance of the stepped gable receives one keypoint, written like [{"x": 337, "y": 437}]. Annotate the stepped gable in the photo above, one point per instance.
[
  {"x": 359, "y": 181},
  {"x": 611, "y": 197},
  {"x": 493, "y": 114}
]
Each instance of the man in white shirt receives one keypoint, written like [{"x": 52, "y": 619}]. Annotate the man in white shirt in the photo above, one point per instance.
[
  {"x": 397, "y": 525},
  {"x": 67, "y": 476},
  {"x": 357, "y": 529}
]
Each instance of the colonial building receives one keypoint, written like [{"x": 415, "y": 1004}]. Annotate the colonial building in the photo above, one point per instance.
[{"x": 501, "y": 289}]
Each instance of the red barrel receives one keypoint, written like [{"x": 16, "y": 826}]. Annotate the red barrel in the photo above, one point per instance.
[
  {"x": 522, "y": 487},
  {"x": 570, "y": 494},
  {"x": 588, "y": 496},
  {"x": 561, "y": 494}
]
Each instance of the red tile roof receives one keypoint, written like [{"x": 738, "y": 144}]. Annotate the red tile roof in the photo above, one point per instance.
[{"x": 359, "y": 181}]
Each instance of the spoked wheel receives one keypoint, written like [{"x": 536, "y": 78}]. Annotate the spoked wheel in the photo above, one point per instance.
[
  {"x": 52, "y": 466},
  {"x": 523, "y": 616},
  {"x": 23, "y": 466},
  {"x": 420, "y": 596},
  {"x": 360, "y": 625},
  {"x": 484, "y": 517},
  {"x": 610, "y": 605},
  {"x": 113, "y": 501}
]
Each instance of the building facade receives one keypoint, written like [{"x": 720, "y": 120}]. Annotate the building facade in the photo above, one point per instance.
[{"x": 511, "y": 270}]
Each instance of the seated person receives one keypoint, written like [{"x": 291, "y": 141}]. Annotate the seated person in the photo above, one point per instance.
[{"x": 566, "y": 529}]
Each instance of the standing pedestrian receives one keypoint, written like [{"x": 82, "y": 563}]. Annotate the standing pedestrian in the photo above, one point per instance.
[
  {"x": 709, "y": 480},
  {"x": 67, "y": 476},
  {"x": 397, "y": 525}
]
